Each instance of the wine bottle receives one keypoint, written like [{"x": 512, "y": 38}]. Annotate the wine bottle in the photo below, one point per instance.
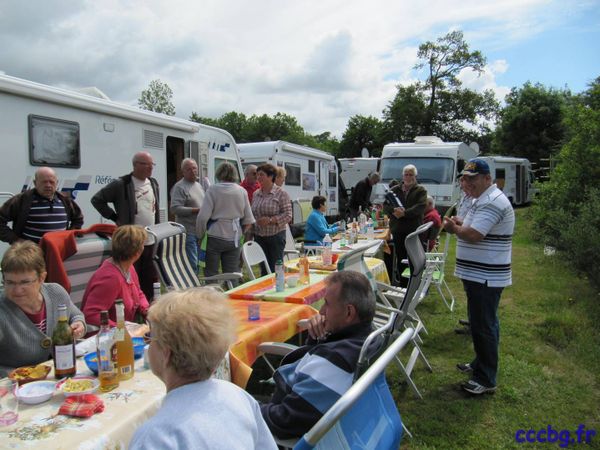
[
  {"x": 106, "y": 354},
  {"x": 124, "y": 344},
  {"x": 63, "y": 346}
]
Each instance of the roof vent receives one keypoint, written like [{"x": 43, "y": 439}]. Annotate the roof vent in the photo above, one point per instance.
[{"x": 428, "y": 140}]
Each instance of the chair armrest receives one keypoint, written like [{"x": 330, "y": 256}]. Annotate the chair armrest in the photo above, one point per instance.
[
  {"x": 223, "y": 277},
  {"x": 276, "y": 348}
]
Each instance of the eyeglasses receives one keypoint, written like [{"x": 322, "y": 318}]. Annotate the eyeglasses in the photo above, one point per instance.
[{"x": 23, "y": 283}]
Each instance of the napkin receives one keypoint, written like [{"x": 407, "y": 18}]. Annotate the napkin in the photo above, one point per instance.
[{"x": 81, "y": 405}]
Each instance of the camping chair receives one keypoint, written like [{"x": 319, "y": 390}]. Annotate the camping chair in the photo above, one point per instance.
[
  {"x": 171, "y": 261},
  {"x": 253, "y": 254},
  {"x": 291, "y": 249}
]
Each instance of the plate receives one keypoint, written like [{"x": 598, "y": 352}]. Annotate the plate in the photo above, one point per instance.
[
  {"x": 27, "y": 374},
  {"x": 75, "y": 385}
]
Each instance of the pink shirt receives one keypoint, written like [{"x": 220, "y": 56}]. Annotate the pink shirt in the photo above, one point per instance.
[{"x": 107, "y": 285}]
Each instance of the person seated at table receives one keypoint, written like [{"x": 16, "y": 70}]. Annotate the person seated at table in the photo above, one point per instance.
[
  {"x": 429, "y": 238},
  {"x": 117, "y": 278},
  {"x": 29, "y": 308},
  {"x": 190, "y": 333},
  {"x": 313, "y": 377},
  {"x": 316, "y": 225}
]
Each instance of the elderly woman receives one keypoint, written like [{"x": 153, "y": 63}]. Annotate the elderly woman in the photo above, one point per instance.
[
  {"x": 316, "y": 225},
  {"x": 191, "y": 332},
  {"x": 273, "y": 211},
  {"x": 280, "y": 176},
  {"x": 117, "y": 278},
  {"x": 224, "y": 216},
  {"x": 29, "y": 308}
]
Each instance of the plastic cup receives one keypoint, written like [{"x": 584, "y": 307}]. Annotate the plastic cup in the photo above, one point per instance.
[
  {"x": 254, "y": 311},
  {"x": 292, "y": 281},
  {"x": 9, "y": 403}
]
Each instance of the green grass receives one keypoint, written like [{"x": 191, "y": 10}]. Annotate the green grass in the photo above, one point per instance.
[{"x": 549, "y": 359}]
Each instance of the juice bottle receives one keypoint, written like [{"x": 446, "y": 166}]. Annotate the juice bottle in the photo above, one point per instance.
[
  {"x": 124, "y": 344},
  {"x": 304, "y": 266},
  {"x": 106, "y": 354}
]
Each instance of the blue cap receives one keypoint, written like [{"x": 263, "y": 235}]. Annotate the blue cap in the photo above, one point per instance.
[{"x": 476, "y": 167}]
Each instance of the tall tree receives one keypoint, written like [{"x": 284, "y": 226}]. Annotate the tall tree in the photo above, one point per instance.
[
  {"x": 405, "y": 115},
  {"x": 362, "y": 132},
  {"x": 157, "y": 98}
]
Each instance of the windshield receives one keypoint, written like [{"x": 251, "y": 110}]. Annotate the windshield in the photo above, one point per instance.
[{"x": 430, "y": 170}]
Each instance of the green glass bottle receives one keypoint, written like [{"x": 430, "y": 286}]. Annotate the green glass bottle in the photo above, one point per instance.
[{"x": 63, "y": 346}]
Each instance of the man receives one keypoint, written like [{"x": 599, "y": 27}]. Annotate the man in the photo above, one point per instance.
[
  {"x": 361, "y": 194},
  {"x": 135, "y": 201},
  {"x": 483, "y": 258},
  {"x": 250, "y": 183},
  {"x": 187, "y": 197},
  {"x": 39, "y": 210},
  {"x": 313, "y": 377},
  {"x": 407, "y": 218}
]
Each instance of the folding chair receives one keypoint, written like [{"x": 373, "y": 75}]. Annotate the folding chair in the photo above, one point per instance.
[
  {"x": 253, "y": 254},
  {"x": 171, "y": 261},
  {"x": 291, "y": 249}
]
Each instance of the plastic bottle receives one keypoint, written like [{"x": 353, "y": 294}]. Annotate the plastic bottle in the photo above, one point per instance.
[
  {"x": 125, "y": 358},
  {"x": 362, "y": 220},
  {"x": 106, "y": 354},
  {"x": 63, "y": 346},
  {"x": 279, "y": 276},
  {"x": 304, "y": 266},
  {"x": 370, "y": 229},
  {"x": 327, "y": 245},
  {"x": 343, "y": 231},
  {"x": 156, "y": 290}
]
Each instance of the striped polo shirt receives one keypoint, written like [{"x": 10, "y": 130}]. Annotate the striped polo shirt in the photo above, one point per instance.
[
  {"x": 489, "y": 259},
  {"x": 44, "y": 215}
]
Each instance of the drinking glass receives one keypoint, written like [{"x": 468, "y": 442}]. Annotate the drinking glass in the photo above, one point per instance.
[{"x": 9, "y": 403}]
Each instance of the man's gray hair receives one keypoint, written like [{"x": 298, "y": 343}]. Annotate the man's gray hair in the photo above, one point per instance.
[
  {"x": 44, "y": 169},
  {"x": 431, "y": 200},
  {"x": 249, "y": 167},
  {"x": 412, "y": 168},
  {"x": 355, "y": 289},
  {"x": 186, "y": 161},
  {"x": 374, "y": 177}
]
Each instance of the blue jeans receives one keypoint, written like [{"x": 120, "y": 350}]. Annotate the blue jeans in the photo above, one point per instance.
[
  {"x": 482, "y": 306},
  {"x": 192, "y": 244}
]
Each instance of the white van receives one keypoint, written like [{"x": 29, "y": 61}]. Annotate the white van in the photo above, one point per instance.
[
  {"x": 90, "y": 140},
  {"x": 353, "y": 170},
  {"x": 514, "y": 176},
  {"x": 309, "y": 171},
  {"x": 438, "y": 164}
]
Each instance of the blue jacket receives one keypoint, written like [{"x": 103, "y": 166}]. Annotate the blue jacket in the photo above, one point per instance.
[{"x": 317, "y": 227}]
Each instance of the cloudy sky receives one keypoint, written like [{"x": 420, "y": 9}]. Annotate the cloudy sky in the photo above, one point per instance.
[{"x": 321, "y": 61}]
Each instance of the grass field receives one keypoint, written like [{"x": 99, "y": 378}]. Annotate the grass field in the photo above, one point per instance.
[{"x": 549, "y": 360}]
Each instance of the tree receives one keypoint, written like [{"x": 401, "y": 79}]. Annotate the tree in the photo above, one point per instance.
[
  {"x": 157, "y": 98},
  {"x": 405, "y": 115},
  {"x": 361, "y": 132},
  {"x": 531, "y": 124}
]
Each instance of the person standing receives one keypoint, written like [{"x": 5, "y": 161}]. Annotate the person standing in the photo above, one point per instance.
[
  {"x": 37, "y": 211},
  {"x": 483, "y": 263},
  {"x": 272, "y": 210},
  {"x": 406, "y": 219},
  {"x": 187, "y": 196},
  {"x": 250, "y": 182},
  {"x": 135, "y": 200},
  {"x": 361, "y": 194}
]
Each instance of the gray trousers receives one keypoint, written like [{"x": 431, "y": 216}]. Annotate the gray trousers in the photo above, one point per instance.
[{"x": 224, "y": 252}]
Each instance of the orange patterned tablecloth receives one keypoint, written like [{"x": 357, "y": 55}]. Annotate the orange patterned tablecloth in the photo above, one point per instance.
[
  {"x": 263, "y": 288},
  {"x": 278, "y": 322}
]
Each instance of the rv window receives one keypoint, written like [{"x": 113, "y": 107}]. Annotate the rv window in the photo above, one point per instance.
[
  {"x": 311, "y": 165},
  {"x": 219, "y": 161},
  {"x": 332, "y": 179},
  {"x": 292, "y": 177},
  {"x": 53, "y": 142}
]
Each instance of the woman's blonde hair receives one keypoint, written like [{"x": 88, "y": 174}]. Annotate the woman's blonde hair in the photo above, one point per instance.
[
  {"x": 127, "y": 241},
  {"x": 23, "y": 256},
  {"x": 197, "y": 325}
]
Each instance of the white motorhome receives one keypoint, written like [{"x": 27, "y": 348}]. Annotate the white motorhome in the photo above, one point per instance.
[
  {"x": 90, "y": 140},
  {"x": 309, "y": 171},
  {"x": 514, "y": 176},
  {"x": 438, "y": 164},
  {"x": 352, "y": 170}
]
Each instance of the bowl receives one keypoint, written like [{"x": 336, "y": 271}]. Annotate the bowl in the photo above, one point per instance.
[
  {"x": 91, "y": 360},
  {"x": 78, "y": 386},
  {"x": 138, "y": 347},
  {"x": 36, "y": 392},
  {"x": 27, "y": 374},
  {"x": 292, "y": 281}
]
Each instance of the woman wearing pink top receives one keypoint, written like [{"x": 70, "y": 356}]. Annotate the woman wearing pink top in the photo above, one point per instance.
[{"x": 117, "y": 278}]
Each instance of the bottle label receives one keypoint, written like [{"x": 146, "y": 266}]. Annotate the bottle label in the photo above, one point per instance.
[
  {"x": 125, "y": 370},
  {"x": 63, "y": 357}
]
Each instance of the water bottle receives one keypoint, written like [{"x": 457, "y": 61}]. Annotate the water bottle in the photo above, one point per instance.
[
  {"x": 327, "y": 244},
  {"x": 279, "y": 276},
  {"x": 156, "y": 290},
  {"x": 370, "y": 229},
  {"x": 343, "y": 241},
  {"x": 362, "y": 221}
]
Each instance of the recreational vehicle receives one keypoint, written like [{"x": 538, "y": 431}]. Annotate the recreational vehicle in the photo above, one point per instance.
[
  {"x": 352, "y": 170},
  {"x": 514, "y": 176},
  {"x": 309, "y": 172},
  {"x": 438, "y": 164},
  {"x": 90, "y": 140}
]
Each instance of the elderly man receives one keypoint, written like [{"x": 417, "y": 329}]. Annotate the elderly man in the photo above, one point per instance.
[
  {"x": 361, "y": 194},
  {"x": 313, "y": 377},
  {"x": 187, "y": 197},
  {"x": 483, "y": 257},
  {"x": 407, "y": 218},
  {"x": 39, "y": 210},
  {"x": 250, "y": 182},
  {"x": 135, "y": 200}
]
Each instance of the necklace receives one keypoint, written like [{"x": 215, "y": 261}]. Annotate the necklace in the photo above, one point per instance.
[{"x": 126, "y": 275}]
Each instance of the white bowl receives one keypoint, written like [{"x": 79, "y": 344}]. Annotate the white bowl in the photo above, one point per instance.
[
  {"x": 61, "y": 386},
  {"x": 36, "y": 392}
]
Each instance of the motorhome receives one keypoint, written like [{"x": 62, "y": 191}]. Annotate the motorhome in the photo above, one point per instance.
[
  {"x": 438, "y": 164},
  {"x": 90, "y": 140},
  {"x": 309, "y": 172},
  {"x": 514, "y": 176},
  {"x": 352, "y": 170}
]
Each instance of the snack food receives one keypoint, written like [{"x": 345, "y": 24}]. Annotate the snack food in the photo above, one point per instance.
[
  {"x": 29, "y": 373},
  {"x": 74, "y": 386}
]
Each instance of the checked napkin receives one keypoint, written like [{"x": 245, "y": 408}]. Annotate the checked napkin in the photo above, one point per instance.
[{"x": 81, "y": 405}]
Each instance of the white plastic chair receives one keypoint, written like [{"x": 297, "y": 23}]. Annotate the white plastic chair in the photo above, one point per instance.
[
  {"x": 291, "y": 249},
  {"x": 253, "y": 254}
]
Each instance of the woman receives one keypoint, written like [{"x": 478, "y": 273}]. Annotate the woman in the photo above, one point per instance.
[
  {"x": 29, "y": 309},
  {"x": 280, "y": 177},
  {"x": 191, "y": 332},
  {"x": 225, "y": 215},
  {"x": 117, "y": 278},
  {"x": 272, "y": 210},
  {"x": 316, "y": 225}
]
